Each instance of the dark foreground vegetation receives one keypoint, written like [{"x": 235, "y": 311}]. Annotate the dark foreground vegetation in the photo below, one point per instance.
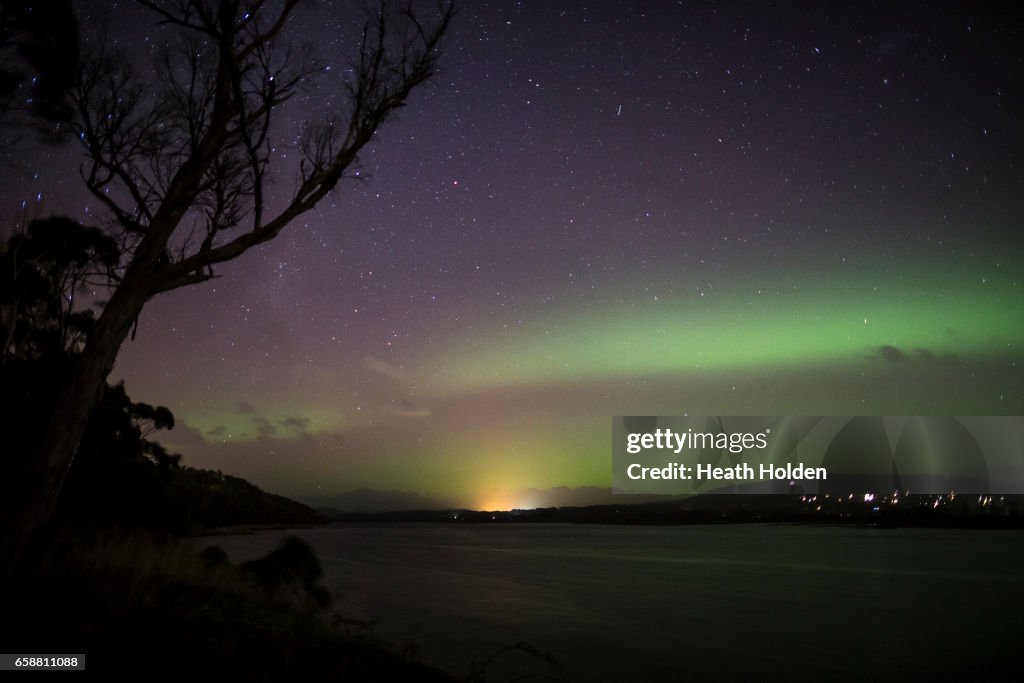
[
  {"x": 120, "y": 475},
  {"x": 153, "y": 606},
  {"x": 117, "y": 573}
]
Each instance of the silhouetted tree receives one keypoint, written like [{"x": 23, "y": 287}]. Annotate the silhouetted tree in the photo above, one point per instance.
[
  {"x": 182, "y": 164},
  {"x": 119, "y": 473},
  {"x": 119, "y": 476},
  {"x": 42, "y": 272}
]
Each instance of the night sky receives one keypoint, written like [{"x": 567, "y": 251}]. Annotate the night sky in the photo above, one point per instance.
[{"x": 622, "y": 208}]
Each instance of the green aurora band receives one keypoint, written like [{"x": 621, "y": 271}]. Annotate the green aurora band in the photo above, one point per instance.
[
  {"x": 513, "y": 410},
  {"x": 937, "y": 317}
]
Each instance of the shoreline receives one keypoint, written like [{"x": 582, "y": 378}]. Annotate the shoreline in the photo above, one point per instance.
[{"x": 249, "y": 529}]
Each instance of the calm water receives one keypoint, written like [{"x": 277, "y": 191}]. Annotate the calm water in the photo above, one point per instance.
[{"x": 672, "y": 603}]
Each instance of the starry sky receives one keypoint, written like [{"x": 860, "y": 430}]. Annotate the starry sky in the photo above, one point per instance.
[{"x": 603, "y": 209}]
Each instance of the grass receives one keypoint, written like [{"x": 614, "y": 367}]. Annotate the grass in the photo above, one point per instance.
[{"x": 144, "y": 604}]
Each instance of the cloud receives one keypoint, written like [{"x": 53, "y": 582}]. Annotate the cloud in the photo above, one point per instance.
[
  {"x": 407, "y": 408},
  {"x": 414, "y": 413},
  {"x": 219, "y": 430},
  {"x": 384, "y": 368},
  {"x": 891, "y": 354},
  {"x": 265, "y": 429},
  {"x": 296, "y": 422},
  {"x": 245, "y": 408},
  {"x": 894, "y": 354}
]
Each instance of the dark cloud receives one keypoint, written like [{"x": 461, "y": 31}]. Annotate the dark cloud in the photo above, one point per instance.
[
  {"x": 245, "y": 408},
  {"x": 384, "y": 368},
  {"x": 219, "y": 430},
  {"x": 407, "y": 408},
  {"x": 296, "y": 422},
  {"x": 891, "y": 354},
  {"x": 265, "y": 429},
  {"x": 894, "y": 354}
]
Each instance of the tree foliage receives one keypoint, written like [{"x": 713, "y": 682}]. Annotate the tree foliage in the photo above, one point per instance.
[{"x": 43, "y": 270}]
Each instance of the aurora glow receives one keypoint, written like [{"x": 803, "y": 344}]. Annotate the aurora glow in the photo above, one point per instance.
[
  {"x": 610, "y": 211},
  {"x": 822, "y": 321}
]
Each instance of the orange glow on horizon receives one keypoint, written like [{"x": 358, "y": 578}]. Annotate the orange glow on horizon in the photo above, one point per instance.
[{"x": 501, "y": 502}]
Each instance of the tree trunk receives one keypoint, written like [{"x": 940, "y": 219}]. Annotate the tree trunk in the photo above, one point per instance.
[{"x": 44, "y": 473}]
